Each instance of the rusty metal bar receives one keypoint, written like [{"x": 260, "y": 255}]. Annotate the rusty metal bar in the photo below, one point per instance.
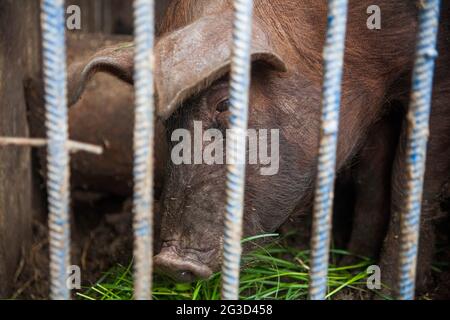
[
  {"x": 418, "y": 131},
  {"x": 144, "y": 15},
  {"x": 55, "y": 78},
  {"x": 236, "y": 147},
  {"x": 333, "y": 55}
]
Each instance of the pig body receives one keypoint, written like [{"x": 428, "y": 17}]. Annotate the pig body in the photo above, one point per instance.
[
  {"x": 376, "y": 65},
  {"x": 192, "y": 61}
]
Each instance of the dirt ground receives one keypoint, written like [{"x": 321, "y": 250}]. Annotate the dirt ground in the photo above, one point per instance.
[{"x": 102, "y": 237}]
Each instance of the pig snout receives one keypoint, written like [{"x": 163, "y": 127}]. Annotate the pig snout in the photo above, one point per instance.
[{"x": 184, "y": 267}]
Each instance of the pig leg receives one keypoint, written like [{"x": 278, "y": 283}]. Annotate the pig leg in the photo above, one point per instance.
[
  {"x": 372, "y": 190},
  {"x": 436, "y": 174}
]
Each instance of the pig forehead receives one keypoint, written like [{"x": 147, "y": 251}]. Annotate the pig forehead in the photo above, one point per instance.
[
  {"x": 206, "y": 7},
  {"x": 184, "y": 12}
]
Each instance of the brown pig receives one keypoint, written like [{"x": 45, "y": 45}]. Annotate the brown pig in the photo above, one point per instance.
[{"x": 193, "y": 53}]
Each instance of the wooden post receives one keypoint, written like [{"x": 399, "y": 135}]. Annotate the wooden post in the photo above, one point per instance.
[{"x": 19, "y": 59}]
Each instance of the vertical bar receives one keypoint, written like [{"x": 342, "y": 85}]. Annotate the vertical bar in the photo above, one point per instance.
[
  {"x": 333, "y": 56},
  {"x": 418, "y": 130},
  {"x": 55, "y": 77},
  {"x": 236, "y": 147},
  {"x": 143, "y": 148}
]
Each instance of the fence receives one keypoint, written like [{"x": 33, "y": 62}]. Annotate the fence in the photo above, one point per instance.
[{"x": 59, "y": 147}]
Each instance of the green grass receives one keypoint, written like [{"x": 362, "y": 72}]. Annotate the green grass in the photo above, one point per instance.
[{"x": 276, "y": 271}]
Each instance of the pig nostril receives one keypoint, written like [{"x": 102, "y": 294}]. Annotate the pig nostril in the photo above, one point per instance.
[{"x": 179, "y": 268}]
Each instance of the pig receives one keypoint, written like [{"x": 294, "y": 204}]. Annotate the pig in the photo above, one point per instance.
[{"x": 192, "y": 63}]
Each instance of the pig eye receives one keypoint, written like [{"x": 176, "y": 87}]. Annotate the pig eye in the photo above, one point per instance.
[
  {"x": 222, "y": 113},
  {"x": 223, "y": 105}
]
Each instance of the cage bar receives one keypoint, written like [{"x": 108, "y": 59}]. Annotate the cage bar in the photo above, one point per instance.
[
  {"x": 418, "y": 131},
  {"x": 144, "y": 15},
  {"x": 236, "y": 147},
  {"x": 55, "y": 79},
  {"x": 333, "y": 55}
]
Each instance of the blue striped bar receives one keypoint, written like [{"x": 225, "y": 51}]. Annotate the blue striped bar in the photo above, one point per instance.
[
  {"x": 55, "y": 79},
  {"x": 418, "y": 130},
  {"x": 236, "y": 147},
  {"x": 333, "y": 55},
  {"x": 144, "y": 15}
]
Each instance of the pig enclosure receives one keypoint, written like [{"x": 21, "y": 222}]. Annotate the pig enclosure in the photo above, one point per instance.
[{"x": 102, "y": 224}]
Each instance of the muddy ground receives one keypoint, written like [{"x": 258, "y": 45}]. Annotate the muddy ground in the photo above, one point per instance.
[{"x": 102, "y": 237}]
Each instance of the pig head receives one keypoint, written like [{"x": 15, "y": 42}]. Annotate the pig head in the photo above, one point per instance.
[{"x": 192, "y": 62}]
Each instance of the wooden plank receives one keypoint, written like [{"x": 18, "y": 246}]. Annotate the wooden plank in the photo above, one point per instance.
[{"x": 19, "y": 59}]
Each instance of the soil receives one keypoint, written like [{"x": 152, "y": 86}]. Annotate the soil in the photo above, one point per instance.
[{"x": 102, "y": 238}]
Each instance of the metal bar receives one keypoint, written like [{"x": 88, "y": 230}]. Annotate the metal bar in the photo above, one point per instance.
[
  {"x": 333, "y": 56},
  {"x": 55, "y": 78},
  {"x": 143, "y": 148},
  {"x": 236, "y": 147},
  {"x": 418, "y": 130}
]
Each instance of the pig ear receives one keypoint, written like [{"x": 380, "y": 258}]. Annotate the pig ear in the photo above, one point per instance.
[
  {"x": 186, "y": 61},
  {"x": 190, "y": 59},
  {"x": 117, "y": 60}
]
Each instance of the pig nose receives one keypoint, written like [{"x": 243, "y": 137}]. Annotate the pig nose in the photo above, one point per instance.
[{"x": 179, "y": 268}]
